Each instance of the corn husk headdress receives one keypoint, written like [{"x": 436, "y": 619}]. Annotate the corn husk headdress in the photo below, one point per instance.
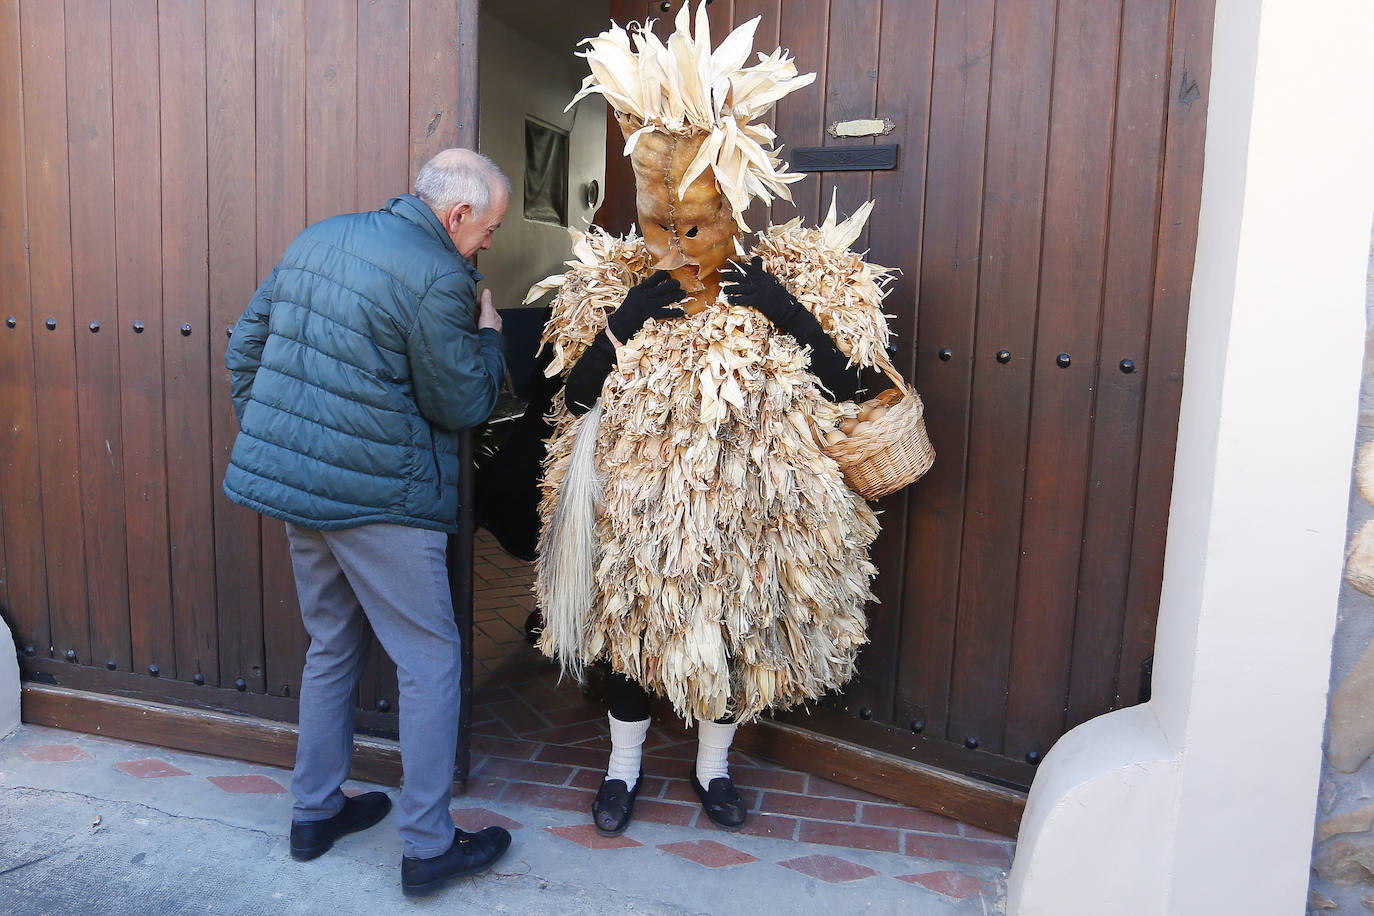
[{"x": 684, "y": 89}]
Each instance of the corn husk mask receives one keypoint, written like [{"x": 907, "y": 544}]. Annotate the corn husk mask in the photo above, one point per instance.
[{"x": 687, "y": 115}]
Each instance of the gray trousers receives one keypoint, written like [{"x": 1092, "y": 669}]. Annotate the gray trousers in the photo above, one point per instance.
[{"x": 396, "y": 577}]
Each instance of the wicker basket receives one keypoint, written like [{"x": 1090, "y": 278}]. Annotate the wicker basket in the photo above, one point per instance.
[{"x": 894, "y": 451}]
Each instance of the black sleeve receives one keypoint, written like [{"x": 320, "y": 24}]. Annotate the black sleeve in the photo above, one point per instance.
[
  {"x": 827, "y": 362},
  {"x": 589, "y": 374}
]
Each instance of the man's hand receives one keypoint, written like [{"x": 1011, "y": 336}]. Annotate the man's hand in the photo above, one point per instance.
[
  {"x": 487, "y": 316},
  {"x": 750, "y": 284},
  {"x": 652, "y": 298}
]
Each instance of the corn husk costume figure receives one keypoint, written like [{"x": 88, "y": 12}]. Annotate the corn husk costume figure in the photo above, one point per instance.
[{"x": 696, "y": 537}]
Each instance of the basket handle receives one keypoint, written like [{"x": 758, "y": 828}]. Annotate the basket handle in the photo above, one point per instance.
[{"x": 890, "y": 371}]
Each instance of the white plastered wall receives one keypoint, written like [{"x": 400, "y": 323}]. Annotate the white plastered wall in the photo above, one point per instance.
[
  {"x": 1202, "y": 800},
  {"x": 517, "y": 78},
  {"x": 9, "y": 684}
]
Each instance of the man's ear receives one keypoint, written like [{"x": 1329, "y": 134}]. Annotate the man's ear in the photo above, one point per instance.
[{"x": 456, "y": 214}]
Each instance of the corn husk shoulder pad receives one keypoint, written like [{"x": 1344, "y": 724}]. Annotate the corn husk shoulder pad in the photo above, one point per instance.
[
  {"x": 731, "y": 559},
  {"x": 834, "y": 283}
]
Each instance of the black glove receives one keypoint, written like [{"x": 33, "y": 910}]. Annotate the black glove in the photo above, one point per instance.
[
  {"x": 751, "y": 285},
  {"x": 755, "y": 287},
  {"x": 651, "y": 298}
]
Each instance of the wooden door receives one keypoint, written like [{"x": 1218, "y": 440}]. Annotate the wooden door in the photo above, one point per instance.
[
  {"x": 1043, "y": 215},
  {"x": 158, "y": 156}
]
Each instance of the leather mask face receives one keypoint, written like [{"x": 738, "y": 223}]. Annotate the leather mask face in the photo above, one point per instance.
[{"x": 690, "y": 235}]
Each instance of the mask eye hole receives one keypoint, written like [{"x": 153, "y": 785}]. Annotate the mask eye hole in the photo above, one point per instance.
[
  {"x": 691, "y": 233},
  {"x": 664, "y": 228}
]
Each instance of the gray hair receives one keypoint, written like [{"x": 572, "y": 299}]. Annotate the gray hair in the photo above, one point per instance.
[{"x": 459, "y": 176}]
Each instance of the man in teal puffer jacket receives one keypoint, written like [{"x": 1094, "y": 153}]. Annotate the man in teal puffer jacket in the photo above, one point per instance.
[{"x": 353, "y": 369}]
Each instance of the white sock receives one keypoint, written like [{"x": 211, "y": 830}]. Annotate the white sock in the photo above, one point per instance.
[
  {"x": 627, "y": 749},
  {"x": 713, "y": 750}
]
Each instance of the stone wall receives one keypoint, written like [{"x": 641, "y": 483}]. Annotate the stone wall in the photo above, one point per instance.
[{"x": 1343, "y": 843}]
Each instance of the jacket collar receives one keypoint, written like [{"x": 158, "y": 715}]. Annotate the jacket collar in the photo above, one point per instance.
[{"x": 410, "y": 207}]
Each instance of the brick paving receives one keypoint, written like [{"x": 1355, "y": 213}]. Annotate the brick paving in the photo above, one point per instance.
[
  {"x": 250, "y": 784},
  {"x": 538, "y": 755},
  {"x": 150, "y": 769},
  {"x": 586, "y": 835},
  {"x": 709, "y": 853},
  {"x": 540, "y": 742},
  {"x": 55, "y": 753},
  {"x": 829, "y": 868}
]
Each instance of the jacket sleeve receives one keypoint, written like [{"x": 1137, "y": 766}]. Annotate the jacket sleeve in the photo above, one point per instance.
[
  {"x": 244, "y": 354},
  {"x": 456, "y": 367},
  {"x": 828, "y": 363},
  {"x": 588, "y": 375}
]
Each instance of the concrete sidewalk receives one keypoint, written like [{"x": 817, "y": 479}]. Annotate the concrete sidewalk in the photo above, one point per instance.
[{"x": 90, "y": 824}]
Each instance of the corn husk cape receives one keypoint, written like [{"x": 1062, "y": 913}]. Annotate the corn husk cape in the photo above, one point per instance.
[{"x": 730, "y": 560}]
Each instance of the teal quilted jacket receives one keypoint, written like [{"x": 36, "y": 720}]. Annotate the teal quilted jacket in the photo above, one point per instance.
[{"x": 352, "y": 370}]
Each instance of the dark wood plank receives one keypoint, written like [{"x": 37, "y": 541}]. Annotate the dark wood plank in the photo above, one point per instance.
[
  {"x": 1185, "y": 132},
  {"x": 90, "y": 148},
  {"x": 1105, "y": 567},
  {"x": 235, "y": 737},
  {"x": 464, "y": 87},
  {"x": 138, "y": 235},
  {"x": 21, "y": 523},
  {"x": 903, "y": 94},
  {"x": 331, "y": 108},
  {"x": 935, "y": 789},
  {"x": 57, "y": 673},
  {"x": 765, "y": 40},
  {"x": 851, "y": 91},
  {"x": 901, "y": 742},
  {"x": 186, "y": 307},
  {"x": 948, "y": 295},
  {"x": 233, "y": 275},
  {"x": 617, "y": 211},
  {"x": 382, "y": 162},
  {"x": 50, "y": 291},
  {"x": 383, "y": 96},
  {"x": 467, "y": 106},
  {"x": 435, "y": 59},
  {"x": 721, "y": 15},
  {"x": 1014, "y": 180},
  {"x": 281, "y": 164},
  {"x": 653, "y": 12},
  {"x": 1076, "y": 197},
  {"x": 804, "y": 27},
  {"x": 4, "y": 583}
]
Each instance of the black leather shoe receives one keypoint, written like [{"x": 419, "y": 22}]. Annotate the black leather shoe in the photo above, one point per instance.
[
  {"x": 312, "y": 839},
  {"x": 469, "y": 854},
  {"x": 613, "y": 805},
  {"x": 534, "y": 627},
  {"x": 721, "y": 802}
]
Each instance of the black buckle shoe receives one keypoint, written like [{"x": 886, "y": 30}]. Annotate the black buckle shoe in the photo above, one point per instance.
[
  {"x": 469, "y": 854},
  {"x": 721, "y": 802},
  {"x": 312, "y": 839},
  {"x": 613, "y": 805}
]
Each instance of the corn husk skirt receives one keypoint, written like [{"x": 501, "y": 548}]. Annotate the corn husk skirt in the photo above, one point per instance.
[{"x": 730, "y": 558}]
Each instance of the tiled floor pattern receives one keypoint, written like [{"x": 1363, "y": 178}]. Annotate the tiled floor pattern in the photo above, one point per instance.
[
  {"x": 539, "y": 742},
  {"x": 538, "y": 754},
  {"x": 971, "y": 867}
]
